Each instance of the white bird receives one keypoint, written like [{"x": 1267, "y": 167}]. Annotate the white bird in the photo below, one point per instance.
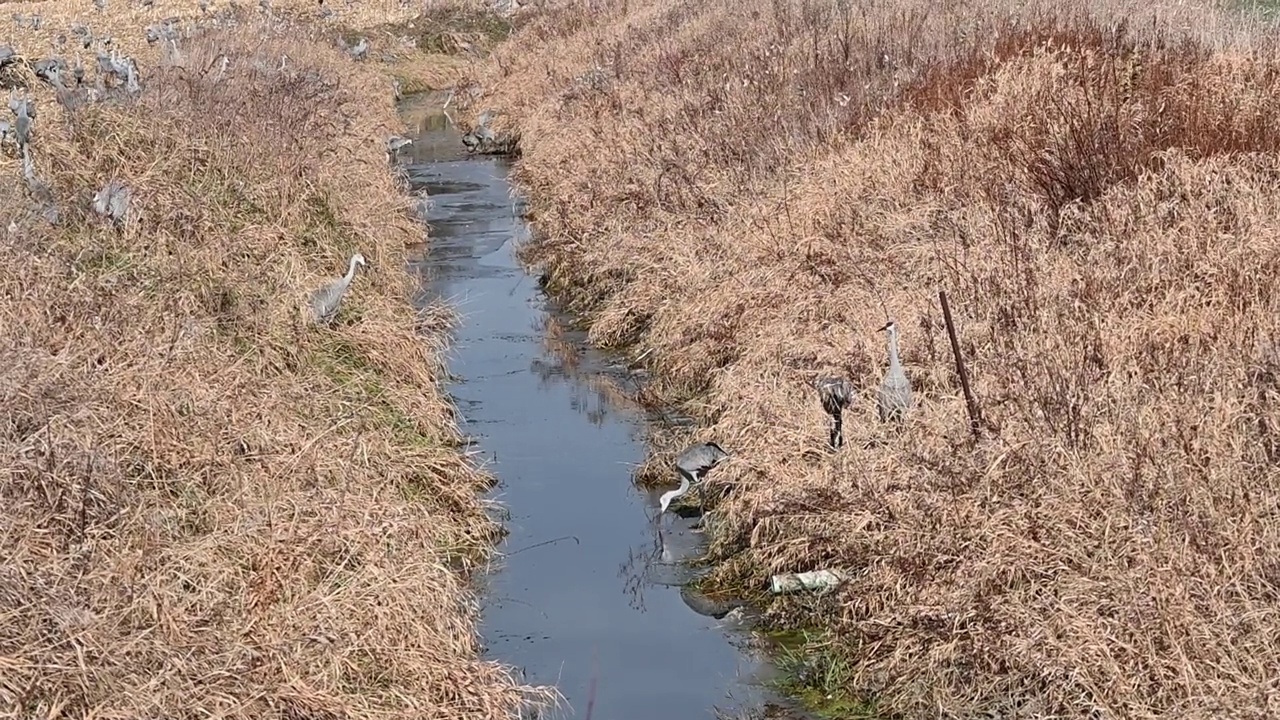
[
  {"x": 325, "y": 301},
  {"x": 693, "y": 464},
  {"x": 894, "y": 397}
]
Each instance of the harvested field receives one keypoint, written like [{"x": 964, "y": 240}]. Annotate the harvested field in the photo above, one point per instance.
[
  {"x": 743, "y": 194},
  {"x": 211, "y": 507}
]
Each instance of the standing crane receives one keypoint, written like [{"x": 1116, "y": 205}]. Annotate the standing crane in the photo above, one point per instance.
[
  {"x": 893, "y": 400},
  {"x": 325, "y": 301},
  {"x": 836, "y": 394}
]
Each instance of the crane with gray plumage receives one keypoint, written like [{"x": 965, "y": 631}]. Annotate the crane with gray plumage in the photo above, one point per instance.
[
  {"x": 325, "y": 301},
  {"x": 893, "y": 399},
  {"x": 481, "y": 134},
  {"x": 395, "y": 144},
  {"x": 112, "y": 201},
  {"x": 25, "y": 112},
  {"x": 693, "y": 464},
  {"x": 836, "y": 394}
]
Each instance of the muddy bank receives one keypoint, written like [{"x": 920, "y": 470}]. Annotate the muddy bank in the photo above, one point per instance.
[
  {"x": 743, "y": 195},
  {"x": 210, "y": 503},
  {"x": 587, "y": 595}
]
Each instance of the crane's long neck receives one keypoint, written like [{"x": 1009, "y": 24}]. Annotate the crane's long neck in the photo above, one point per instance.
[
  {"x": 894, "y": 362},
  {"x": 351, "y": 273}
]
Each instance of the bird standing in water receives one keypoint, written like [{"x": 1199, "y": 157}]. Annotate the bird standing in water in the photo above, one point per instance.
[{"x": 693, "y": 464}]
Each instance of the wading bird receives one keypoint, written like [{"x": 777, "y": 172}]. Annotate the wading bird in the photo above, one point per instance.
[
  {"x": 395, "y": 144},
  {"x": 692, "y": 464},
  {"x": 325, "y": 301},
  {"x": 476, "y": 138},
  {"x": 836, "y": 395},
  {"x": 894, "y": 397}
]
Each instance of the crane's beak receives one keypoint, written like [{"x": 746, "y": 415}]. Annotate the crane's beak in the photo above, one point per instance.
[{"x": 884, "y": 327}]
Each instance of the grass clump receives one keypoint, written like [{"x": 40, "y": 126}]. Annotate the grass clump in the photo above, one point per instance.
[
  {"x": 456, "y": 27},
  {"x": 1092, "y": 184},
  {"x": 823, "y": 680},
  {"x": 203, "y": 496}
]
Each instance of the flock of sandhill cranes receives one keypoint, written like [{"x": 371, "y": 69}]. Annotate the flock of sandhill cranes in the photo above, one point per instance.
[
  {"x": 118, "y": 75},
  {"x": 893, "y": 402}
]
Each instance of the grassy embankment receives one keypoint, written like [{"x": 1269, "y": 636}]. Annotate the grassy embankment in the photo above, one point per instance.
[
  {"x": 741, "y": 193},
  {"x": 208, "y": 507}
]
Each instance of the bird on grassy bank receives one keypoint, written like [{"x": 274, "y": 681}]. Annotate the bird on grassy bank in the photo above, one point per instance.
[
  {"x": 25, "y": 113},
  {"x": 360, "y": 50},
  {"x": 50, "y": 70},
  {"x": 893, "y": 400},
  {"x": 836, "y": 395},
  {"x": 325, "y": 301},
  {"x": 112, "y": 201},
  {"x": 693, "y": 464},
  {"x": 165, "y": 30}
]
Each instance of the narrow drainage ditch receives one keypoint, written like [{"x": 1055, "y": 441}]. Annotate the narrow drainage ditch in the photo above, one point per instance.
[{"x": 586, "y": 598}]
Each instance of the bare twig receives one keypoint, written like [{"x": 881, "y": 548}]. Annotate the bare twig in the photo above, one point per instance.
[{"x": 591, "y": 689}]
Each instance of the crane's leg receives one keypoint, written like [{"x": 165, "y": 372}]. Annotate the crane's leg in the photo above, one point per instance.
[{"x": 837, "y": 430}]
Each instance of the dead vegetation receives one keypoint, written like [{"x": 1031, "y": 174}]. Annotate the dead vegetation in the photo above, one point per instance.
[
  {"x": 211, "y": 508},
  {"x": 743, "y": 192}
]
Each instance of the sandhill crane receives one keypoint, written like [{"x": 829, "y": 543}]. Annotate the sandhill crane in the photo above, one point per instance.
[
  {"x": 360, "y": 50},
  {"x": 693, "y": 464},
  {"x": 894, "y": 397},
  {"x": 395, "y": 144},
  {"x": 25, "y": 112},
  {"x": 836, "y": 395},
  {"x": 325, "y": 301},
  {"x": 477, "y": 137},
  {"x": 112, "y": 201}
]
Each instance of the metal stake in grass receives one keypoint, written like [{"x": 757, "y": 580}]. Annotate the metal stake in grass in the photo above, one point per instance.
[
  {"x": 693, "y": 464},
  {"x": 836, "y": 395},
  {"x": 894, "y": 398},
  {"x": 325, "y": 301},
  {"x": 970, "y": 402}
]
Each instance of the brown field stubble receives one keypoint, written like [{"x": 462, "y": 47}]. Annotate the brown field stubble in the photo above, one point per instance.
[
  {"x": 208, "y": 508},
  {"x": 743, "y": 192}
]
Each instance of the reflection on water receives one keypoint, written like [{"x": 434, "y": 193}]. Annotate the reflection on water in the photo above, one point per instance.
[{"x": 596, "y": 610}]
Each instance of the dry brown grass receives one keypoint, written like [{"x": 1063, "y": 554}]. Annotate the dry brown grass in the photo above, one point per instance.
[
  {"x": 745, "y": 191},
  {"x": 210, "y": 508}
]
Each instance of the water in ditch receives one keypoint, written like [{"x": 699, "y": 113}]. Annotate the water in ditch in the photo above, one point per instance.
[{"x": 585, "y": 598}]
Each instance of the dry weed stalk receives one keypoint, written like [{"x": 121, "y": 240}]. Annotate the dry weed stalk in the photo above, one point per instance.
[
  {"x": 208, "y": 507},
  {"x": 1099, "y": 200}
]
